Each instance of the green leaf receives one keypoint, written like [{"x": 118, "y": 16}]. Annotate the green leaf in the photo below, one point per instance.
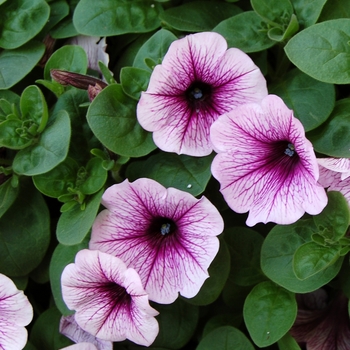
[
  {"x": 323, "y": 51},
  {"x": 8, "y": 195},
  {"x": 287, "y": 342},
  {"x": 59, "y": 9},
  {"x": 71, "y": 58},
  {"x": 33, "y": 107},
  {"x": 335, "y": 217},
  {"x": 335, "y": 9},
  {"x": 331, "y": 138},
  {"x": 45, "y": 332},
  {"x": 56, "y": 182},
  {"x": 308, "y": 12},
  {"x": 11, "y": 135},
  {"x": 64, "y": 29},
  {"x": 21, "y": 20},
  {"x": 225, "y": 338},
  {"x": 222, "y": 319},
  {"x": 134, "y": 81},
  {"x": 244, "y": 245},
  {"x": 277, "y": 257},
  {"x": 218, "y": 272},
  {"x": 19, "y": 62},
  {"x": 269, "y": 312},
  {"x": 311, "y": 100},
  {"x": 177, "y": 323},
  {"x": 154, "y": 49},
  {"x": 312, "y": 258},
  {"x": 61, "y": 257},
  {"x": 273, "y": 11},
  {"x": 190, "y": 174},
  {"x": 24, "y": 229},
  {"x": 198, "y": 16},
  {"x": 115, "y": 17},
  {"x": 74, "y": 224},
  {"x": 112, "y": 118},
  {"x": 51, "y": 149},
  {"x": 246, "y": 31},
  {"x": 96, "y": 176}
]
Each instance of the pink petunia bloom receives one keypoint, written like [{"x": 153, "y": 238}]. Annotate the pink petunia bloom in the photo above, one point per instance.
[
  {"x": 265, "y": 165},
  {"x": 168, "y": 236},
  {"x": 198, "y": 80},
  {"x": 334, "y": 175},
  {"x": 81, "y": 346},
  {"x": 15, "y": 313},
  {"x": 70, "y": 328},
  {"x": 108, "y": 298},
  {"x": 322, "y": 323}
]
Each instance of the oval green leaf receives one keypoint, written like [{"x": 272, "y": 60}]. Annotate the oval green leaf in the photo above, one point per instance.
[
  {"x": 21, "y": 20},
  {"x": 112, "y": 118},
  {"x": 277, "y": 257},
  {"x": 198, "y": 16},
  {"x": 225, "y": 338},
  {"x": 269, "y": 312},
  {"x": 115, "y": 17},
  {"x": 323, "y": 51},
  {"x": 19, "y": 62},
  {"x": 134, "y": 81},
  {"x": 190, "y": 174},
  {"x": 8, "y": 194},
  {"x": 51, "y": 149}
]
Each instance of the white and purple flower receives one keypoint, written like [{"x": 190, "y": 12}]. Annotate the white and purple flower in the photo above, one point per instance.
[
  {"x": 168, "y": 236},
  {"x": 108, "y": 298},
  {"x": 15, "y": 313},
  {"x": 265, "y": 164},
  {"x": 198, "y": 80},
  {"x": 335, "y": 175}
]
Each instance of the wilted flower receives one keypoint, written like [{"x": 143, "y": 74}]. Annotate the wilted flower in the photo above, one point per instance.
[
  {"x": 70, "y": 329},
  {"x": 198, "y": 80},
  {"x": 322, "y": 323},
  {"x": 334, "y": 174},
  {"x": 168, "y": 236},
  {"x": 108, "y": 298},
  {"x": 265, "y": 165},
  {"x": 15, "y": 313}
]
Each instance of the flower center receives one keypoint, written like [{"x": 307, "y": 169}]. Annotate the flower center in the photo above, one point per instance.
[
  {"x": 290, "y": 150},
  {"x": 164, "y": 226},
  {"x": 198, "y": 91}
]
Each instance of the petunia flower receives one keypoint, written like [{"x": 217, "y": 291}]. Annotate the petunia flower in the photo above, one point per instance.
[
  {"x": 322, "y": 322},
  {"x": 198, "y": 80},
  {"x": 334, "y": 175},
  {"x": 81, "y": 346},
  {"x": 70, "y": 329},
  {"x": 168, "y": 236},
  {"x": 265, "y": 164},
  {"x": 15, "y": 313},
  {"x": 108, "y": 298}
]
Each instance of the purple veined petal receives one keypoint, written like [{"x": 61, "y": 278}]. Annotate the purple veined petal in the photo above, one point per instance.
[
  {"x": 333, "y": 181},
  {"x": 265, "y": 165},
  {"x": 340, "y": 165},
  {"x": 167, "y": 235},
  {"x": 81, "y": 346},
  {"x": 198, "y": 80},
  {"x": 70, "y": 329},
  {"x": 108, "y": 298},
  {"x": 15, "y": 313}
]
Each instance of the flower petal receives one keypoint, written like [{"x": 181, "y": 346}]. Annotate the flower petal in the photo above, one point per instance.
[
  {"x": 109, "y": 299},
  {"x": 166, "y": 264},
  {"x": 254, "y": 175},
  {"x": 340, "y": 165}
]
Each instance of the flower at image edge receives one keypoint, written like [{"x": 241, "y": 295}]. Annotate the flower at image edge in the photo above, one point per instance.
[
  {"x": 265, "y": 164},
  {"x": 198, "y": 80},
  {"x": 108, "y": 298},
  {"x": 15, "y": 313},
  {"x": 168, "y": 236}
]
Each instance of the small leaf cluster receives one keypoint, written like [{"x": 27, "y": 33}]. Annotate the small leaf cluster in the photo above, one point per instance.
[{"x": 59, "y": 151}]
